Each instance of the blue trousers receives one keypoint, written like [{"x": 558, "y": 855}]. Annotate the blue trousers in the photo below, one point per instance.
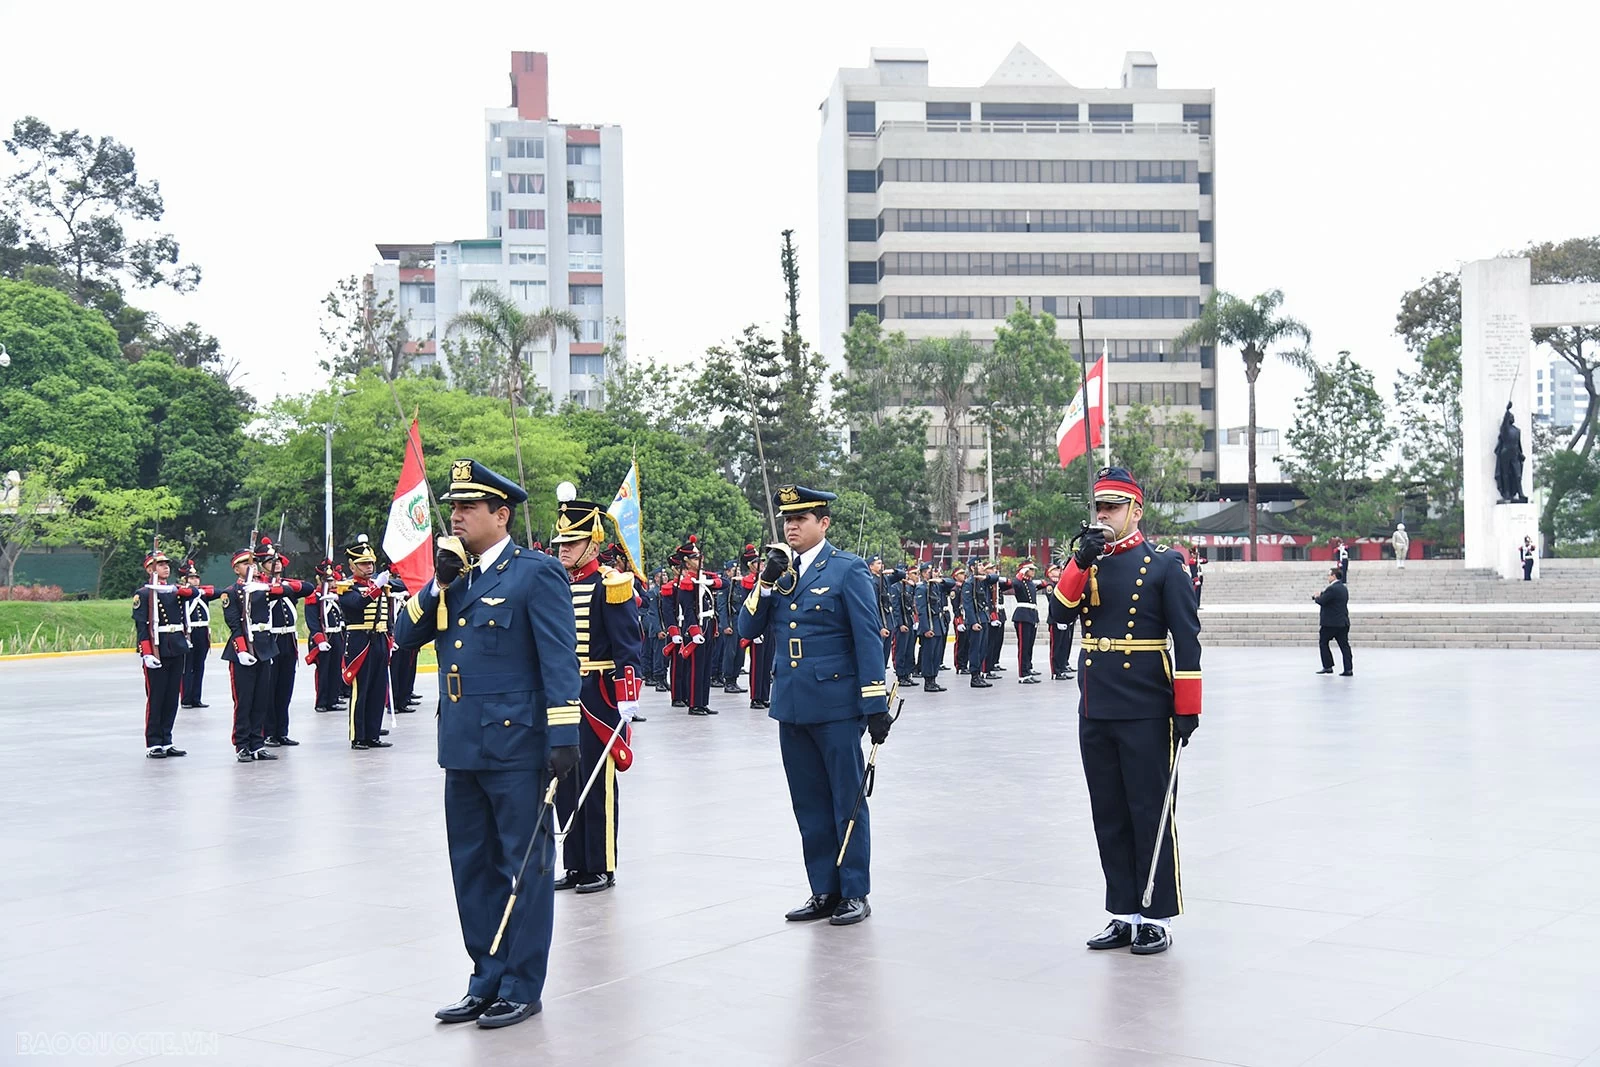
[
  {"x": 488, "y": 816},
  {"x": 824, "y": 765}
]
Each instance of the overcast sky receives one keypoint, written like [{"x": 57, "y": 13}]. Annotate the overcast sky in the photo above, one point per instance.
[{"x": 1359, "y": 149}]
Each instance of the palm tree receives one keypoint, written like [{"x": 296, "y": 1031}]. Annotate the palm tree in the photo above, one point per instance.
[
  {"x": 498, "y": 322},
  {"x": 1251, "y": 326},
  {"x": 940, "y": 369}
]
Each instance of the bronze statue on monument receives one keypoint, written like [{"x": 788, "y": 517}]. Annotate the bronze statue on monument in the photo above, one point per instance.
[{"x": 1508, "y": 459}]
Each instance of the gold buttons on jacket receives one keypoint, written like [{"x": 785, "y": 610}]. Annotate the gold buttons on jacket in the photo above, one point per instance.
[
  {"x": 794, "y": 626},
  {"x": 1147, "y": 559},
  {"x": 1144, "y": 570},
  {"x": 1138, "y": 581},
  {"x": 1126, "y": 664},
  {"x": 508, "y": 722},
  {"x": 458, "y": 644},
  {"x": 794, "y": 663},
  {"x": 1133, "y": 611},
  {"x": 1135, "y": 596},
  {"x": 1087, "y": 661},
  {"x": 794, "y": 607},
  {"x": 461, "y": 622},
  {"x": 491, "y": 621}
]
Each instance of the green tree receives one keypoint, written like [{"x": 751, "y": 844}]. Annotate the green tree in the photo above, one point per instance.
[
  {"x": 888, "y": 439},
  {"x": 108, "y": 521},
  {"x": 652, "y": 396},
  {"x": 362, "y": 330},
  {"x": 1428, "y": 405},
  {"x": 496, "y": 320},
  {"x": 70, "y": 204},
  {"x": 1252, "y": 326},
  {"x": 861, "y": 525},
  {"x": 1339, "y": 438},
  {"x": 31, "y": 502},
  {"x": 1157, "y": 447},
  {"x": 942, "y": 369},
  {"x": 1574, "y": 260}
]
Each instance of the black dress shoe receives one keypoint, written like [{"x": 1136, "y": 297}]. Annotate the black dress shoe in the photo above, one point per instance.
[
  {"x": 1029, "y": 680},
  {"x": 272, "y": 741},
  {"x": 263, "y": 754},
  {"x": 1149, "y": 939},
  {"x": 288, "y": 742},
  {"x": 243, "y": 755},
  {"x": 568, "y": 881},
  {"x": 321, "y": 709},
  {"x": 708, "y": 710},
  {"x": 680, "y": 703},
  {"x": 199, "y": 705},
  {"x": 506, "y": 1013},
  {"x": 380, "y": 744},
  {"x": 1326, "y": 670},
  {"x": 697, "y": 711},
  {"x": 978, "y": 682},
  {"x": 993, "y": 676},
  {"x": 383, "y": 733},
  {"x": 174, "y": 750},
  {"x": 932, "y": 687},
  {"x": 1059, "y": 676},
  {"x": 409, "y": 709},
  {"x": 640, "y": 718},
  {"x": 850, "y": 911},
  {"x": 464, "y": 1010},
  {"x": 361, "y": 746},
  {"x": 961, "y": 670},
  {"x": 1117, "y": 934},
  {"x": 1347, "y": 674},
  {"x": 155, "y": 752},
  {"x": 820, "y": 906},
  {"x": 596, "y": 883},
  {"x": 734, "y": 689}
]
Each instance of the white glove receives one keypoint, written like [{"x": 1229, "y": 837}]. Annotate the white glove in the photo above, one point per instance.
[
  {"x": 994, "y": 622},
  {"x": 1063, "y": 626},
  {"x": 627, "y": 709},
  {"x": 151, "y": 662},
  {"x": 699, "y": 639},
  {"x": 162, "y": 588},
  {"x": 381, "y": 579},
  {"x": 246, "y": 660},
  {"x": 758, "y": 640},
  {"x": 677, "y": 639},
  {"x": 961, "y": 629},
  {"x": 323, "y": 646}
]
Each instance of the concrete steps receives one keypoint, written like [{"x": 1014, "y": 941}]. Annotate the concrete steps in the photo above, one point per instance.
[
  {"x": 1421, "y": 582},
  {"x": 1267, "y": 626}
]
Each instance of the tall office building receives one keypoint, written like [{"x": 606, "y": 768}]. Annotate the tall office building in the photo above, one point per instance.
[
  {"x": 554, "y": 229},
  {"x": 941, "y": 207},
  {"x": 1559, "y": 398}
]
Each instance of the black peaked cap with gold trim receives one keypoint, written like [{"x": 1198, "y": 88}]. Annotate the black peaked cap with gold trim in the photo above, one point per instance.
[
  {"x": 792, "y": 499},
  {"x": 471, "y": 480},
  {"x": 578, "y": 520}
]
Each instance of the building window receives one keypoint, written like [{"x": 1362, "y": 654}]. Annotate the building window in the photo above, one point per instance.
[
  {"x": 862, "y": 181},
  {"x": 1206, "y": 399},
  {"x": 583, "y": 155},
  {"x": 1039, "y": 264},
  {"x": 863, "y": 309},
  {"x": 589, "y": 331},
  {"x": 586, "y": 295},
  {"x": 525, "y": 219},
  {"x": 579, "y": 189},
  {"x": 1206, "y": 236},
  {"x": 494, "y": 231},
  {"x": 494, "y": 131},
  {"x": 1110, "y": 112},
  {"x": 1200, "y": 113},
  {"x": 494, "y": 166},
  {"x": 1156, "y": 394},
  {"x": 494, "y": 200},
  {"x": 1030, "y": 112},
  {"x": 942, "y": 109},
  {"x": 1207, "y": 274},
  {"x": 1208, "y": 357},
  {"x": 525, "y": 147},
  {"x": 524, "y": 183},
  {"x": 930, "y": 220},
  {"x": 1206, "y": 178},
  {"x": 998, "y": 307},
  {"x": 583, "y": 225},
  {"x": 586, "y": 261},
  {"x": 595, "y": 365},
  {"x": 863, "y": 230},
  {"x": 1049, "y": 171},
  {"x": 425, "y": 294},
  {"x": 534, "y": 294},
  {"x": 863, "y": 272},
  {"x": 1209, "y": 442},
  {"x": 530, "y": 257},
  {"x": 860, "y": 116}
]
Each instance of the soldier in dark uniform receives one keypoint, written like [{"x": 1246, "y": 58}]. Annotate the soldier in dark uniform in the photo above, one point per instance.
[
  {"x": 160, "y": 627},
  {"x": 728, "y": 646},
  {"x": 763, "y": 646},
  {"x": 880, "y": 586},
  {"x": 1062, "y": 622},
  {"x": 611, "y": 660},
  {"x": 829, "y": 687},
  {"x": 1136, "y": 704},
  {"x": 285, "y": 631},
  {"x": 366, "y": 651},
  {"x": 672, "y": 647},
  {"x": 959, "y": 606},
  {"x": 929, "y": 593},
  {"x": 325, "y": 626},
  {"x": 654, "y": 634},
  {"x": 697, "y": 613},
  {"x": 908, "y": 626},
  {"x": 997, "y": 621},
  {"x": 501, "y": 622},
  {"x": 1025, "y": 617},
  {"x": 976, "y": 608},
  {"x": 247, "y": 609},
  {"x": 197, "y": 616},
  {"x": 402, "y": 661}
]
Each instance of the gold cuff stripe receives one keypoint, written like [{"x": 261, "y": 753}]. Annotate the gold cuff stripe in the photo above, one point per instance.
[
  {"x": 414, "y": 609},
  {"x": 1186, "y": 674},
  {"x": 1061, "y": 597},
  {"x": 562, "y": 716},
  {"x": 878, "y": 690}
]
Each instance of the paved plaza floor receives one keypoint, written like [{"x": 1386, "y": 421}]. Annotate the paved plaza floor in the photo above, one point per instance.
[{"x": 1399, "y": 868}]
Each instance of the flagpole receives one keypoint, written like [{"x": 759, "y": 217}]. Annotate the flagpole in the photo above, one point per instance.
[
  {"x": 1105, "y": 397},
  {"x": 1088, "y": 442}
]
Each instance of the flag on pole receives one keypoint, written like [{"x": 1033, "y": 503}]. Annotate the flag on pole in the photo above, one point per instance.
[
  {"x": 408, "y": 540},
  {"x": 1069, "y": 435},
  {"x": 629, "y": 519},
  {"x": 1105, "y": 411}
]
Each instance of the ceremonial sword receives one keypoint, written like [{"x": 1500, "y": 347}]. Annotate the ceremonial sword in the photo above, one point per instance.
[
  {"x": 1161, "y": 827},
  {"x": 867, "y": 780}
]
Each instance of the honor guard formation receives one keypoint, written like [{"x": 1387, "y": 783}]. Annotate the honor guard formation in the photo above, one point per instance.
[{"x": 543, "y": 655}]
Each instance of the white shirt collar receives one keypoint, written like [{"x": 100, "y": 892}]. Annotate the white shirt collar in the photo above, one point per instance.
[
  {"x": 809, "y": 556},
  {"x": 486, "y": 560}
]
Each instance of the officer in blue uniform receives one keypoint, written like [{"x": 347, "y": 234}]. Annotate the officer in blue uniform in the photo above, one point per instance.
[
  {"x": 931, "y": 623},
  {"x": 654, "y": 634},
  {"x": 1138, "y": 701},
  {"x": 500, "y": 618},
  {"x": 958, "y": 610},
  {"x": 829, "y": 685},
  {"x": 976, "y": 601},
  {"x": 728, "y": 647},
  {"x": 366, "y": 649}
]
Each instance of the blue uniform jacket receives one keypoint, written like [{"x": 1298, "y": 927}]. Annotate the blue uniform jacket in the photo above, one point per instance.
[
  {"x": 828, "y": 664},
  {"x": 508, "y": 662},
  {"x": 928, "y": 603}
]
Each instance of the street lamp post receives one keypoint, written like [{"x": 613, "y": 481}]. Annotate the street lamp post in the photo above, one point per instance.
[{"x": 327, "y": 475}]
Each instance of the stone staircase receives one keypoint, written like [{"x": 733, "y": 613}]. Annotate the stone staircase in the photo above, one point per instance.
[{"x": 1429, "y": 604}]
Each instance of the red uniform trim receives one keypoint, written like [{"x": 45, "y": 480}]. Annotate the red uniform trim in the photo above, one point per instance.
[
  {"x": 1069, "y": 588},
  {"x": 1186, "y": 696}
]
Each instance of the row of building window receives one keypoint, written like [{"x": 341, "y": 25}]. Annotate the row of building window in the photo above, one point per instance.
[
  {"x": 937, "y": 220},
  {"x": 861, "y": 115},
  {"x": 525, "y": 147},
  {"x": 1161, "y": 394},
  {"x": 1087, "y": 171},
  {"x": 583, "y": 155},
  {"x": 524, "y": 183},
  {"x": 1122, "y": 350},
  {"x": 1026, "y": 264},
  {"x": 533, "y": 219},
  {"x": 998, "y": 307}
]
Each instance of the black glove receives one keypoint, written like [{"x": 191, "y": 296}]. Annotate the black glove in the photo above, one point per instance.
[
  {"x": 447, "y": 567},
  {"x": 777, "y": 562},
  {"x": 1184, "y": 725},
  {"x": 562, "y": 759},
  {"x": 878, "y": 727},
  {"x": 1091, "y": 547}
]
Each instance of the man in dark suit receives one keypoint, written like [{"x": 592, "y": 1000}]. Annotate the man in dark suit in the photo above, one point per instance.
[
  {"x": 1334, "y": 602},
  {"x": 829, "y": 686},
  {"x": 501, "y": 622}
]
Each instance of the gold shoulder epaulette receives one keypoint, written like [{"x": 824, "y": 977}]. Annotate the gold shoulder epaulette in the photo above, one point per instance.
[{"x": 619, "y": 586}]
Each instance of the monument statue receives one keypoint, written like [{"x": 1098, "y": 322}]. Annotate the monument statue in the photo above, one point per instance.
[{"x": 1508, "y": 459}]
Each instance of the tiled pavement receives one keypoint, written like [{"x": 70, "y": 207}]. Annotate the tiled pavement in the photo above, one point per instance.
[{"x": 1401, "y": 868}]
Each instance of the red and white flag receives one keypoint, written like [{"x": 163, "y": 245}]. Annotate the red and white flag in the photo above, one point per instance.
[
  {"x": 408, "y": 540},
  {"x": 1069, "y": 435}
]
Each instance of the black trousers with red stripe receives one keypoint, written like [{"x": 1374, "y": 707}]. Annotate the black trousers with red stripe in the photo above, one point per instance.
[
  {"x": 696, "y": 670},
  {"x": 252, "y": 700},
  {"x": 1126, "y": 764},
  {"x": 161, "y": 685},
  {"x": 1060, "y": 648},
  {"x": 284, "y": 665},
  {"x": 1026, "y": 633},
  {"x": 591, "y": 845}
]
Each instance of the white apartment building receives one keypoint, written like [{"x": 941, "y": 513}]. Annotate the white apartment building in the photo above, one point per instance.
[
  {"x": 1558, "y": 394},
  {"x": 942, "y": 206},
  {"x": 554, "y": 238}
]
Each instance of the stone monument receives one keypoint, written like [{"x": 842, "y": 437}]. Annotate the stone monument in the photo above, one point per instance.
[{"x": 1500, "y": 308}]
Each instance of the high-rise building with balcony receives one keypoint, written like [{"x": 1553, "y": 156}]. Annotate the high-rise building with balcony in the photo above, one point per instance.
[
  {"x": 941, "y": 207},
  {"x": 554, "y": 238}
]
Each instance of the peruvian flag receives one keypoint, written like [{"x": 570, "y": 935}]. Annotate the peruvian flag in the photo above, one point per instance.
[
  {"x": 1069, "y": 435},
  {"x": 408, "y": 540}
]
